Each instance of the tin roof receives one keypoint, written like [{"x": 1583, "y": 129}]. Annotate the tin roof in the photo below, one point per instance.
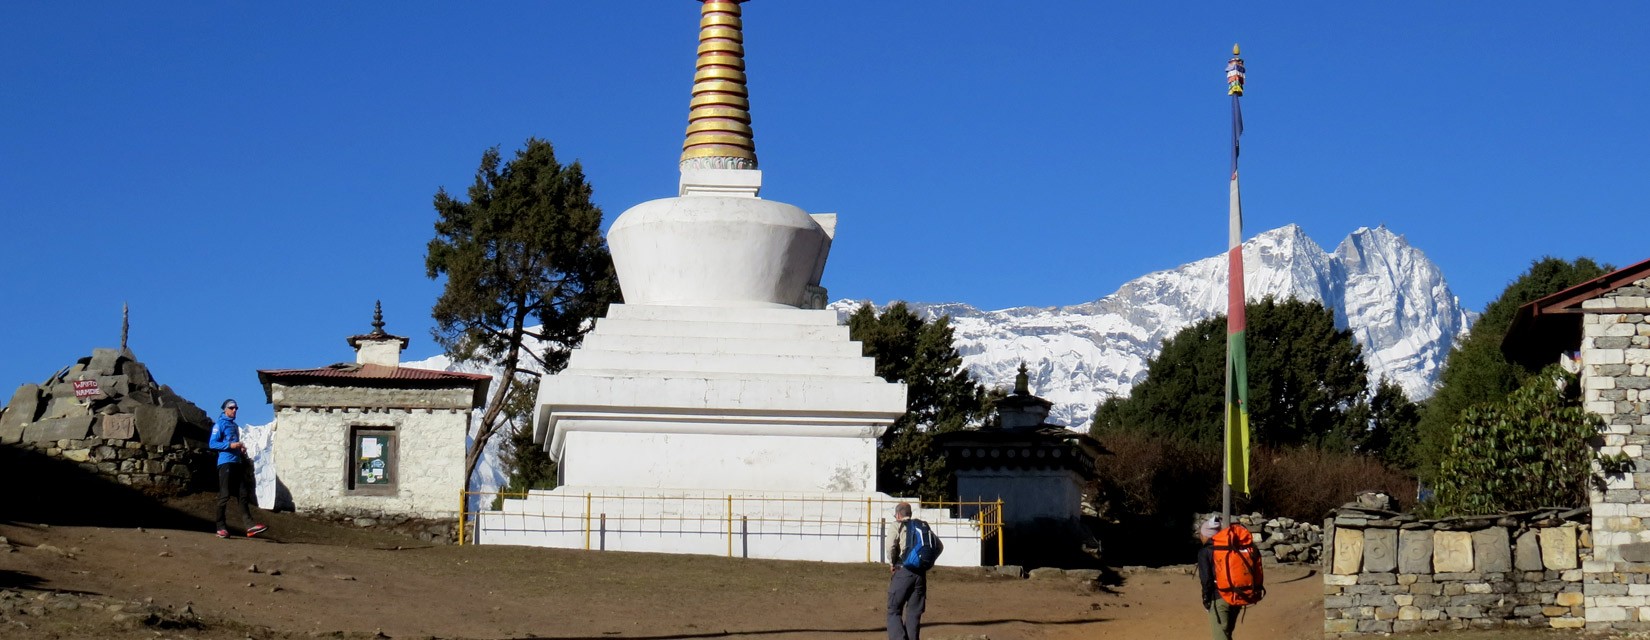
[
  {"x": 345, "y": 373},
  {"x": 1543, "y": 328}
]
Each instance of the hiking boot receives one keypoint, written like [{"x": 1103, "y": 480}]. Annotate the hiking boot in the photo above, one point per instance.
[
  {"x": 223, "y": 533},
  {"x": 255, "y": 530}
]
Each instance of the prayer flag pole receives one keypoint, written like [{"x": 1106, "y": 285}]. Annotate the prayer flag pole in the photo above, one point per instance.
[{"x": 1235, "y": 440}]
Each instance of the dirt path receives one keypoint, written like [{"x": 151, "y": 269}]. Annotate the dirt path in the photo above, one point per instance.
[{"x": 324, "y": 579}]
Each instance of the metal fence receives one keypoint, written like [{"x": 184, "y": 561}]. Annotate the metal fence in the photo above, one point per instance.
[{"x": 729, "y": 516}]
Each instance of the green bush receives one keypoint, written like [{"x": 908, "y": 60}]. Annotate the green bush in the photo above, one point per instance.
[{"x": 1533, "y": 449}]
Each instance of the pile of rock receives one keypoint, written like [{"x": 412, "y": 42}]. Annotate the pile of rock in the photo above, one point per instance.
[
  {"x": 107, "y": 414},
  {"x": 1284, "y": 539}
]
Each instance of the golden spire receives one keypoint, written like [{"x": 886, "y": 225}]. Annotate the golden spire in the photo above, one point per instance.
[{"x": 719, "y": 129}]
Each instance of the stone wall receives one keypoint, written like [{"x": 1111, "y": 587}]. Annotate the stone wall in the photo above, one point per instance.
[
  {"x": 131, "y": 430},
  {"x": 1615, "y": 352},
  {"x": 1388, "y": 573},
  {"x": 312, "y": 447},
  {"x": 1284, "y": 539}
]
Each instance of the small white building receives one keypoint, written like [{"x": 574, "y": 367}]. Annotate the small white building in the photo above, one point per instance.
[{"x": 372, "y": 437}]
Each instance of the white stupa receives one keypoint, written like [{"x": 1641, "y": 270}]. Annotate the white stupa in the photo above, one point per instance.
[{"x": 721, "y": 409}]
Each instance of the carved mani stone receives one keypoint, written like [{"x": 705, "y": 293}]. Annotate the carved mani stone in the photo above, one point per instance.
[
  {"x": 1452, "y": 552},
  {"x": 1527, "y": 554},
  {"x": 1349, "y": 550},
  {"x": 1380, "y": 550},
  {"x": 119, "y": 426},
  {"x": 1490, "y": 551},
  {"x": 1558, "y": 548},
  {"x": 1415, "y": 551}
]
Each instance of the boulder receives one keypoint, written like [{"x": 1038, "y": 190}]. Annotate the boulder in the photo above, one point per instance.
[
  {"x": 65, "y": 406},
  {"x": 113, "y": 386},
  {"x": 138, "y": 373},
  {"x": 74, "y": 428},
  {"x": 24, "y": 406},
  {"x": 155, "y": 425},
  {"x": 105, "y": 362}
]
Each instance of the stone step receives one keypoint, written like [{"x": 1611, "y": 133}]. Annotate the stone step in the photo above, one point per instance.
[
  {"x": 707, "y": 329},
  {"x": 735, "y": 345},
  {"x": 699, "y": 363},
  {"x": 754, "y": 315},
  {"x": 792, "y": 394}
]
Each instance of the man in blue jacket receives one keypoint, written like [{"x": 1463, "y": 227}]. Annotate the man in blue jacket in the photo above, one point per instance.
[{"x": 233, "y": 469}]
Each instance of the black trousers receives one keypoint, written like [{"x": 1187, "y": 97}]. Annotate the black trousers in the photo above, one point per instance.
[
  {"x": 907, "y": 595},
  {"x": 234, "y": 480}
]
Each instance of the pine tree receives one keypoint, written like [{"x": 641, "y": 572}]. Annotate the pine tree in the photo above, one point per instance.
[
  {"x": 525, "y": 250},
  {"x": 1392, "y": 426},
  {"x": 1476, "y": 372},
  {"x": 940, "y": 396}
]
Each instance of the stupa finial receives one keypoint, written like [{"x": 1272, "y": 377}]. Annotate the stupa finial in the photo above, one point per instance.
[
  {"x": 719, "y": 121},
  {"x": 1022, "y": 381},
  {"x": 377, "y": 317}
]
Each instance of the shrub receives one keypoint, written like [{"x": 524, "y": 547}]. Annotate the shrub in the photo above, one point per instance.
[
  {"x": 1151, "y": 488},
  {"x": 1531, "y": 450}
]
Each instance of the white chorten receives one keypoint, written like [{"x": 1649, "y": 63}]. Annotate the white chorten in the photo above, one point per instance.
[{"x": 721, "y": 408}]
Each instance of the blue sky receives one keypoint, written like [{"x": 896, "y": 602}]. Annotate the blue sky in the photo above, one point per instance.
[{"x": 250, "y": 177}]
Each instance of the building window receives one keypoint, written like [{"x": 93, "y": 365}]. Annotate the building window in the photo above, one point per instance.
[{"x": 372, "y": 469}]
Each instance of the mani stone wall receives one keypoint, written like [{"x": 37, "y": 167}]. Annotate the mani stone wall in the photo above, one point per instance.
[
  {"x": 1615, "y": 352},
  {"x": 312, "y": 448},
  {"x": 1392, "y": 574},
  {"x": 132, "y": 430}
]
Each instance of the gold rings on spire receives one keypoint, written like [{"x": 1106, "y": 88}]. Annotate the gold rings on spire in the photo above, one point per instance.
[{"x": 718, "y": 132}]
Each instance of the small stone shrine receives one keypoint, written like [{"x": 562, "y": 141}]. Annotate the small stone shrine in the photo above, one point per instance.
[
  {"x": 1036, "y": 467},
  {"x": 107, "y": 414},
  {"x": 371, "y": 437}
]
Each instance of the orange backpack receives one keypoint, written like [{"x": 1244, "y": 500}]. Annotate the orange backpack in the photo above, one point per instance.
[{"x": 1239, "y": 577}]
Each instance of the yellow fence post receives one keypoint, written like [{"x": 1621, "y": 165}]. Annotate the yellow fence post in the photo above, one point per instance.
[
  {"x": 587, "y": 521},
  {"x": 868, "y": 527},
  {"x": 463, "y": 507},
  {"x": 730, "y": 525},
  {"x": 1000, "y": 529}
]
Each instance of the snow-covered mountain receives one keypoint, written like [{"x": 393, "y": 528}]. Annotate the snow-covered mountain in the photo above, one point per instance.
[{"x": 1392, "y": 297}]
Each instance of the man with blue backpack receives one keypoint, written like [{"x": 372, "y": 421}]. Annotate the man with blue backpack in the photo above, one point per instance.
[{"x": 912, "y": 550}]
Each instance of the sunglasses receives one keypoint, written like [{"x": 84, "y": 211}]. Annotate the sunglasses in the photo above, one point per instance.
[{"x": 230, "y": 408}]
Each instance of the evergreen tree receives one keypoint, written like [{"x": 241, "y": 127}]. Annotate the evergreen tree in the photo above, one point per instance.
[
  {"x": 523, "y": 259},
  {"x": 1392, "y": 419},
  {"x": 1307, "y": 382},
  {"x": 1476, "y": 371},
  {"x": 940, "y": 396},
  {"x": 529, "y": 464}
]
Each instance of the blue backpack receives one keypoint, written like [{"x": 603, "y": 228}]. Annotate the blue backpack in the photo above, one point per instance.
[{"x": 922, "y": 546}]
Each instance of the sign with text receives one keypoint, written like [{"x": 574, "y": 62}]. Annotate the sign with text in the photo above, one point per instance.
[{"x": 84, "y": 389}]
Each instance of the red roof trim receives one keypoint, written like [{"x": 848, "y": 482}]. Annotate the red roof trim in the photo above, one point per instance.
[{"x": 373, "y": 372}]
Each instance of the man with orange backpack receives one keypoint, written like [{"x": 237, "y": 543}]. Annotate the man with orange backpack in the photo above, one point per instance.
[{"x": 1229, "y": 568}]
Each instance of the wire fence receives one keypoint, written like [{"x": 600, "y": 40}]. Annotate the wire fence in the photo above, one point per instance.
[{"x": 591, "y": 518}]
